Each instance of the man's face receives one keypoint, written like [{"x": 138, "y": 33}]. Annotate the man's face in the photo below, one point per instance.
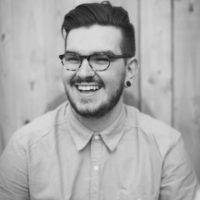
[{"x": 94, "y": 93}]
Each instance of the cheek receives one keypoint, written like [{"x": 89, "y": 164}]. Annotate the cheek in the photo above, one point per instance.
[
  {"x": 66, "y": 77},
  {"x": 116, "y": 79}
]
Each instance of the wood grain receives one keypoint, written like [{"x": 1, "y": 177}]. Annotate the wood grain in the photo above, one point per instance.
[
  {"x": 155, "y": 57},
  {"x": 187, "y": 75}
]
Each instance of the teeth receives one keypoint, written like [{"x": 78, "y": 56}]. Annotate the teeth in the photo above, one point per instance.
[{"x": 88, "y": 87}]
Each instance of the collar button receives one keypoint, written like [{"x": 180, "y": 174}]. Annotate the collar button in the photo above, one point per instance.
[{"x": 96, "y": 137}]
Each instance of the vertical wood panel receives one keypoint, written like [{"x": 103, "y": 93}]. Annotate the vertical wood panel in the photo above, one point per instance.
[
  {"x": 187, "y": 75},
  {"x": 29, "y": 59},
  {"x": 156, "y": 58},
  {"x": 6, "y": 80}
]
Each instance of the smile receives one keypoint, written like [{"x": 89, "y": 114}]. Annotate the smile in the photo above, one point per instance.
[{"x": 88, "y": 87}]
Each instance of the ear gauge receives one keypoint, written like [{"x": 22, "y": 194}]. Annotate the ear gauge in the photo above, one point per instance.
[{"x": 128, "y": 84}]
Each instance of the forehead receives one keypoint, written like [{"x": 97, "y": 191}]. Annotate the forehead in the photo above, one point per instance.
[{"x": 86, "y": 40}]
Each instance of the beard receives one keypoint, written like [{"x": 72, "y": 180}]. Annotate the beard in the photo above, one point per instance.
[{"x": 105, "y": 106}]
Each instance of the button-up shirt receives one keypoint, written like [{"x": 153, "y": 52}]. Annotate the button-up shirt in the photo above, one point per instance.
[{"x": 136, "y": 158}]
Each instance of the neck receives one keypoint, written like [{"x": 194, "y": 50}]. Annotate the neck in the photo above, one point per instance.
[{"x": 99, "y": 124}]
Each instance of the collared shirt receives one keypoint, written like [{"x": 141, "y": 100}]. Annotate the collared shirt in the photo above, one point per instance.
[{"x": 56, "y": 158}]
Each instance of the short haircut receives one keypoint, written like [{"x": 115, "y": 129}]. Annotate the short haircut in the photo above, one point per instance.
[{"x": 88, "y": 14}]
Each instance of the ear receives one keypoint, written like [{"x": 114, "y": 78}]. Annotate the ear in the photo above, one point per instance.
[{"x": 131, "y": 69}]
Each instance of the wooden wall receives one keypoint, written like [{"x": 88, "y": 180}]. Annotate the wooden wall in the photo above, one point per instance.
[{"x": 168, "y": 49}]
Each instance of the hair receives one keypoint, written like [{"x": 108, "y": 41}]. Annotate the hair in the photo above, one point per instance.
[{"x": 88, "y": 14}]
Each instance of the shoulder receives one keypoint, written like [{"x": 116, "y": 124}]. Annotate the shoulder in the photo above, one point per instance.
[
  {"x": 162, "y": 135},
  {"x": 40, "y": 127}
]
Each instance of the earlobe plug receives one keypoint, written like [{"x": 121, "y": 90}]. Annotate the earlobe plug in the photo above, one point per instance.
[{"x": 128, "y": 83}]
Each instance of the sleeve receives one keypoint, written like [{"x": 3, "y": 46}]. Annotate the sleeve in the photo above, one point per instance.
[
  {"x": 178, "y": 181},
  {"x": 13, "y": 171}
]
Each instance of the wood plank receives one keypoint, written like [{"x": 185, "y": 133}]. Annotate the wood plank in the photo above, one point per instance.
[
  {"x": 186, "y": 75},
  {"x": 7, "y": 80},
  {"x": 29, "y": 59},
  {"x": 156, "y": 58}
]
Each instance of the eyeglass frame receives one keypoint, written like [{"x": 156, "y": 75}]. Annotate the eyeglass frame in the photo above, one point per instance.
[{"x": 109, "y": 54}]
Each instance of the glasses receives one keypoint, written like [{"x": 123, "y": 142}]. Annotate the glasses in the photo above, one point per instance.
[{"x": 100, "y": 61}]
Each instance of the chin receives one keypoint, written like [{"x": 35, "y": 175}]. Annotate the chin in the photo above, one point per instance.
[{"x": 91, "y": 111}]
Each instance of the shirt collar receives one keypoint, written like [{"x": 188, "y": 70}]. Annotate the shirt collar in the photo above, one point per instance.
[
  {"x": 82, "y": 135},
  {"x": 112, "y": 135}
]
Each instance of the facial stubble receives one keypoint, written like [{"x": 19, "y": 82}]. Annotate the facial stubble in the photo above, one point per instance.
[{"x": 103, "y": 108}]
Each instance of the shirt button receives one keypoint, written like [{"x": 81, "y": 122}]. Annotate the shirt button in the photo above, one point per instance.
[
  {"x": 96, "y": 167},
  {"x": 96, "y": 137}
]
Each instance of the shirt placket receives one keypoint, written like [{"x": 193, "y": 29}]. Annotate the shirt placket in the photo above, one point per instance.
[{"x": 96, "y": 149}]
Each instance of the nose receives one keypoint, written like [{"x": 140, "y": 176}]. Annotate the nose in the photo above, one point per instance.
[{"x": 85, "y": 70}]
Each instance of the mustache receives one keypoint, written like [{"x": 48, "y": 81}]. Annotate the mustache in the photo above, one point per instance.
[{"x": 88, "y": 79}]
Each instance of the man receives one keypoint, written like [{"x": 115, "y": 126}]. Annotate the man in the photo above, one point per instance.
[{"x": 94, "y": 146}]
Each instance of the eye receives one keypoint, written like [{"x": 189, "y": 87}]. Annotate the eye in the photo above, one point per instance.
[
  {"x": 100, "y": 59},
  {"x": 72, "y": 58}
]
